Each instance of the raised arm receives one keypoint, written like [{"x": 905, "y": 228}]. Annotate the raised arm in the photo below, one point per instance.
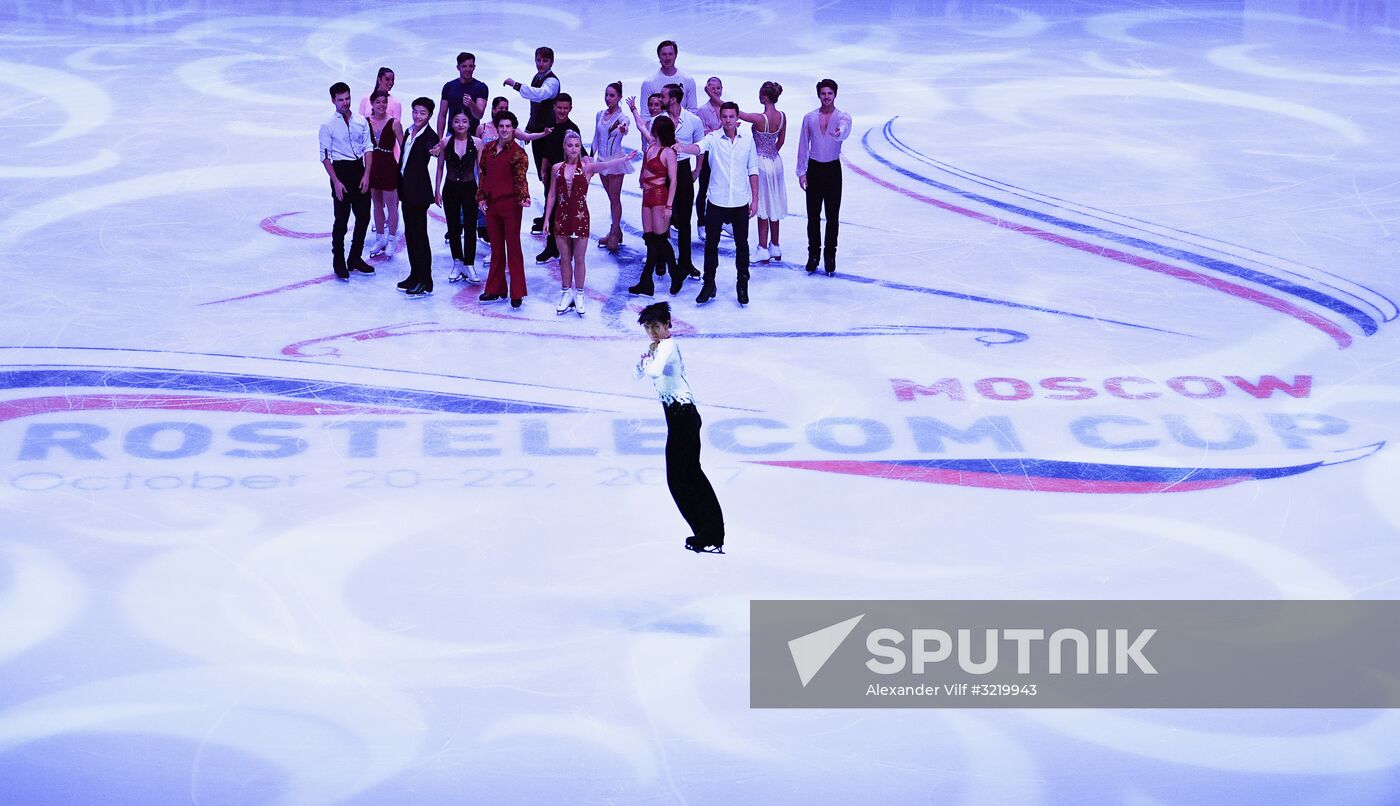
[
  {"x": 843, "y": 127},
  {"x": 750, "y": 117},
  {"x": 544, "y": 92},
  {"x": 521, "y": 134},
  {"x": 641, "y": 127},
  {"x": 593, "y": 166}
]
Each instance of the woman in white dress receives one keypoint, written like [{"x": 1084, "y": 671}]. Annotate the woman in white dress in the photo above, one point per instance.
[
  {"x": 608, "y": 130},
  {"x": 769, "y": 134}
]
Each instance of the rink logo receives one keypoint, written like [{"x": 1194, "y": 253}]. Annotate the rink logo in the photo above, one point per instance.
[
  {"x": 1122, "y": 387},
  {"x": 288, "y": 417}
]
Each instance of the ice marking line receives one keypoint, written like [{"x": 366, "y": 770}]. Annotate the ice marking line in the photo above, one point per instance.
[
  {"x": 1045, "y": 475},
  {"x": 1341, "y": 337},
  {"x": 918, "y": 289},
  {"x": 239, "y": 384},
  {"x": 325, "y": 278},
  {"x": 1387, "y": 312},
  {"x": 30, "y": 406},
  {"x": 270, "y": 226},
  {"x": 991, "y": 337},
  {"x": 1366, "y": 323},
  {"x": 304, "y": 361}
]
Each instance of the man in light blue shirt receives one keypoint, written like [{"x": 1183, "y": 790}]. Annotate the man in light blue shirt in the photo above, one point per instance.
[{"x": 346, "y": 153}]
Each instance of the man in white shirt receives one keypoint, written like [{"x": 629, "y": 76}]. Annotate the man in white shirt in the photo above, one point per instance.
[
  {"x": 669, "y": 74},
  {"x": 733, "y": 198},
  {"x": 346, "y": 154},
  {"x": 690, "y": 489}
]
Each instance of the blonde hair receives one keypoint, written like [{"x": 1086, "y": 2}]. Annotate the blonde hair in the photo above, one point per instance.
[{"x": 573, "y": 135}]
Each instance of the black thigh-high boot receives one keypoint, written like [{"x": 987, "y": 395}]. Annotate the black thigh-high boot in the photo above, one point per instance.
[
  {"x": 644, "y": 286},
  {"x": 666, "y": 263},
  {"x": 678, "y": 275}
]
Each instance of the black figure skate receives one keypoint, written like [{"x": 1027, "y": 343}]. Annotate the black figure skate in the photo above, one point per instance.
[{"x": 693, "y": 543}]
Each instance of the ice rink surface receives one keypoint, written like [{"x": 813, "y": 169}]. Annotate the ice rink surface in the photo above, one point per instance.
[{"x": 1114, "y": 319}]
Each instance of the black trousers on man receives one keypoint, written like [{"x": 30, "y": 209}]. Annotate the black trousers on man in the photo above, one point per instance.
[
  {"x": 823, "y": 190},
  {"x": 551, "y": 249},
  {"x": 700, "y": 193},
  {"x": 349, "y": 172},
  {"x": 681, "y": 208},
  {"x": 738, "y": 219},
  {"x": 537, "y": 150},
  {"x": 694, "y": 496},
  {"x": 420, "y": 251}
]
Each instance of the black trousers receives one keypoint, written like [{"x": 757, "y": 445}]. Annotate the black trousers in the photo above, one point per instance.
[
  {"x": 823, "y": 190},
  {"x": 737, "y": 218},
  {"x": 550, "y": 247},
  {"x": 349, "y": 172},
  {"x": 420, "y": 252},
  {"x": 694, "y": 496},
  {"x": 537, "y": 151},
  {"x": 701, "y": 193},
  {"x": 459, "y": 205},
  {"x": 680, "y": 215}
]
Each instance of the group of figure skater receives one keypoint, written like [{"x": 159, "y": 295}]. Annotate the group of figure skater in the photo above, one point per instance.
[
  {"x": 379, "y": 163},
  {"x": 376, "y": 166}
]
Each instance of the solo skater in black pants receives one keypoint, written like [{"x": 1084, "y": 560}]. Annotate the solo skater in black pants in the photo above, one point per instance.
[{"x": 694, "y": 496}]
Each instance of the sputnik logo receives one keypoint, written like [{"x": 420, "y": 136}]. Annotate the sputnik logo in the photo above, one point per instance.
[{"x": 810, "y": 652}]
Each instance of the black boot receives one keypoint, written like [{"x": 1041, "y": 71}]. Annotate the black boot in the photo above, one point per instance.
[
  {"x": 644, "y": 287},
  {"x": 829, "y": 261},
  {"x": 668, "y": 257},
  {"x": 813, "y": 259}
]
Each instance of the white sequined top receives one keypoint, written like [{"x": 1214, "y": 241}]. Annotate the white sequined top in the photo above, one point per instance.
[{"x": 667, "y": 372}]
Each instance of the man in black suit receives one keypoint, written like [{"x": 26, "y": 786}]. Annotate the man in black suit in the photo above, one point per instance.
[{"x": 416, "y": 194}]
